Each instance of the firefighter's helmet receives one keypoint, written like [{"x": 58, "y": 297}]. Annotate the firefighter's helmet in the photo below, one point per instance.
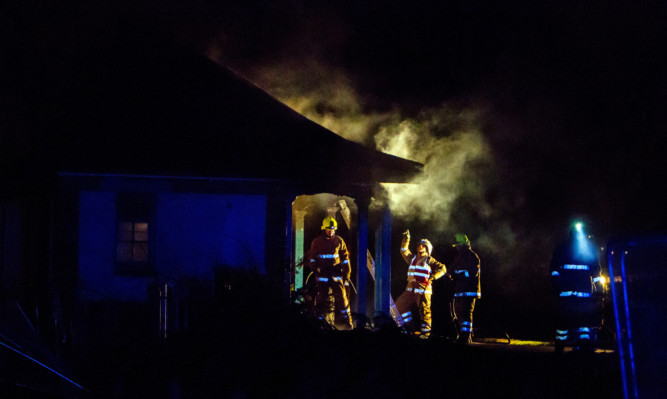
[
  {"x": 428, "y": 245},
  {"x": 461, "y": 239},
  {"x": 329, "y": 223}
]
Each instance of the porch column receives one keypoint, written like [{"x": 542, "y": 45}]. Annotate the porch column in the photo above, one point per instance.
[
  {"x": 383, "y": 264},
  {"x": 287, "y": 264},
  {"x": 299, "y": 216},
  {"x": 362, "y": 254},
  {"x": 279, "y": 241}
]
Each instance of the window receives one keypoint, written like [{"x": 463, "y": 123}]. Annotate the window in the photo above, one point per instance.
[
  {"x": 132, "y": 242},
  {"x": 133, "y": 233}
]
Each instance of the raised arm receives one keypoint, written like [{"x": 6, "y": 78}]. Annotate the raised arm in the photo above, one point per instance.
[{"x": 405, "y": 251}]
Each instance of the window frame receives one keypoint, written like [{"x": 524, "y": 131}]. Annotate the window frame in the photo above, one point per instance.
[{"x": 135, "y": 209}]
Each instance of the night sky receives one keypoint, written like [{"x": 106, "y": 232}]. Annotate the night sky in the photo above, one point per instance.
[
  {"x": 526, "y": 114},
  {"x": 572, "y": 93},
  {"x": 568, "y": 96}
]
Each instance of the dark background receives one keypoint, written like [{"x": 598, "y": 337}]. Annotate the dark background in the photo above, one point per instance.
[
  {"x": 572, "y": 96},
  {"x": 574, "y": 91},
  {"x": 573, "y": 113}
]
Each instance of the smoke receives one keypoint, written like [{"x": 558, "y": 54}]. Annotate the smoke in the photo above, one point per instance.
[
  {"x": 325, "y": 95},
  {"x": 460, "y": 187},
  {"x": 450, "y": 162},
  {"x": 447, "y": 139}
]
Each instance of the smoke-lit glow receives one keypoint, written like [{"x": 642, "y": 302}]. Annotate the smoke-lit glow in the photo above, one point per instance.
[
  {"x": 446, "y": 139},
  {"x": 452, "y": 193},
  {"x": 449, "y": 165}
]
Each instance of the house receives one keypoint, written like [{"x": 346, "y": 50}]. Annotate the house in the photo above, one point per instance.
[{"x": 148, "y": 168}]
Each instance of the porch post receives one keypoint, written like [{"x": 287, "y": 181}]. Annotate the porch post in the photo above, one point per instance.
[
  {"x": 383, "y": 264},
  {"x": 362, "y": 254},
  {"x": 299, "y": 216}
]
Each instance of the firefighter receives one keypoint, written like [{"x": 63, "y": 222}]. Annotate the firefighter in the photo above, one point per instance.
[
  {"x": 577, "y": 289},
  {"x": 414, "y": 304},
  {"x": 465, "y": 271},
  {"x": 329, "y": 261}
]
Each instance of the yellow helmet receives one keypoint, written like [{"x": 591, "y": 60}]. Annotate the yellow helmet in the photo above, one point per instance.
[{"x": 329, "y": 223}]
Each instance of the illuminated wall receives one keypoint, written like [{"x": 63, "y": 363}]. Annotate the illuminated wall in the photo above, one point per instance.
[
  {"x": 198, "y": 231},
  {"x": 190, "y": 235}
]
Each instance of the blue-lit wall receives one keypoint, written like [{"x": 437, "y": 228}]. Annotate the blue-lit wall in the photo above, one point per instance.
[
  {"x": 197, "y": 231},
  {"x": 193, "y": 234}
]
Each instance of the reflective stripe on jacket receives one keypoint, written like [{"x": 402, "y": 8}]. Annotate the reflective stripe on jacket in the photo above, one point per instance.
[
  {"x": 421, "y": 268},
  {"x": 329, "y": 256},
  {"x": 465, "y": 271}
]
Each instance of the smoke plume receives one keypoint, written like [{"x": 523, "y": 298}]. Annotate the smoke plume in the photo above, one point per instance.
[
  {"x": 447, "y": 139},
  {"x": 459, "y": 189}
]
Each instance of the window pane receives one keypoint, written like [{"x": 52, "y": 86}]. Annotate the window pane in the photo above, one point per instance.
[
  {"x": 141, "y": 252},
  {"x": 141, "y": 227},
  {"x": 124, "y": 252},
  {"x": 140, "y": 236},
  {"x": 124, "y": 236},
  {"x": 124, "y": 226}
]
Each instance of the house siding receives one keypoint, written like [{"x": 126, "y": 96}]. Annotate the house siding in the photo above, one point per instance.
[
  {"x": 196, "y": 232},
  {"x": 193, "y": 234}
]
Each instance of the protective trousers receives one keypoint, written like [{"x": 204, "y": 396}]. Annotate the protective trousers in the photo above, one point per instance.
[
  {"x": 463, "y": 309},
  {"x": 329, "y": 288},
  {"x": 414, "y": 306},
  {"x": 425, "y": 313},
  {"x": 576, "y": 319}
]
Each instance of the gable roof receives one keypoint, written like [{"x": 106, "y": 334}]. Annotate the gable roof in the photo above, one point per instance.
[{"x": 147, "y": 108}]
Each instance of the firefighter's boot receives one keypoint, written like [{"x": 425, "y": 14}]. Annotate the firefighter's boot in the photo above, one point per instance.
[
  {"x": 425, "y": 330},
  {"x": 346, "y": 320},
  {"x": 465, "y": 338}
]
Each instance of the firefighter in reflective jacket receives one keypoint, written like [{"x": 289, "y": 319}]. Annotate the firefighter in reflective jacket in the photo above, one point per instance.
[
  {"x": 577, "y": 288},
  {"x": 414, "y": 304},
  {"x": 465, "y": 270},
  {"x": 330, "y": 262}
]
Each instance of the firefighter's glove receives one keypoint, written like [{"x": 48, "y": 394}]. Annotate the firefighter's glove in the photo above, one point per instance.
[{"x": 406, "y": 239}]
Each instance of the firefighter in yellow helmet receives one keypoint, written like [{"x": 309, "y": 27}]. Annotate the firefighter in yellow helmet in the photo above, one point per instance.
[
  {"x": 329, "y": 260},
  {"x": 465, "y": 270},
  {"x": 414, "y": 304}
]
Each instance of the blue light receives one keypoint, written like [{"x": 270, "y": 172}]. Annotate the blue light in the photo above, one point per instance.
[
  {"x": 583, "y": 247},
  {"x": 628, "y": 329},
  {"x": 44, "y": 365}
]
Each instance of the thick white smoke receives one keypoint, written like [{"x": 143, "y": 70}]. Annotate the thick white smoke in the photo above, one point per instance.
[
  {"x": 451, "y": 194},
  {"x": 459, "y": 189},
  {"x": 450, "y": 162},
  {"x": 446, "y": 139}
]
